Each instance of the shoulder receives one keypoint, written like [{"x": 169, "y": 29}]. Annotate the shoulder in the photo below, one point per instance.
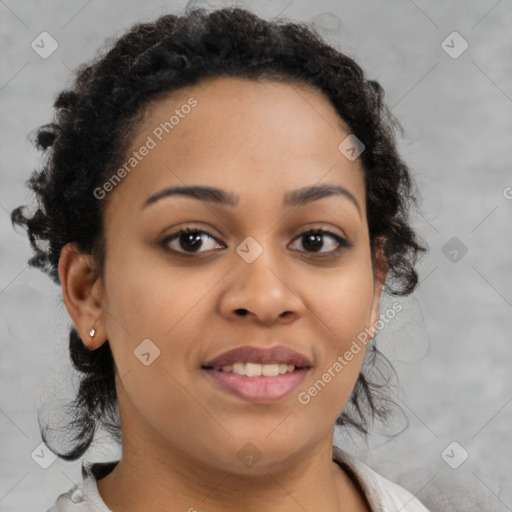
[
  {"x": 382, "y": 494},
  {"x": 71, "y": 501},
  {"x": 84, "y": 497}
]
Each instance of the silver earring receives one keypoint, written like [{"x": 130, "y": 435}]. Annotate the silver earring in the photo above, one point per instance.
[{"x": 92, "y": 333}]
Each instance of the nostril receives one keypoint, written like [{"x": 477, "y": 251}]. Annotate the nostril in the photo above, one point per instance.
[{"x": 241, "y": 312}]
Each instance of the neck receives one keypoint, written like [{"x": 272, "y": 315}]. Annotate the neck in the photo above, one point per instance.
[{"x": 182, "y": 484}]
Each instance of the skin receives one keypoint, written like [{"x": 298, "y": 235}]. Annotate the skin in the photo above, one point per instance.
[{"x": 181, "y": 433}]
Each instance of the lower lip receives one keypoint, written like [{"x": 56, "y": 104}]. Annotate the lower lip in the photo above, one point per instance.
[{"x": 258, "y": 389}]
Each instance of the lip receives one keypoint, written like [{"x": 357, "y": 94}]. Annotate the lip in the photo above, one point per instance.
[
  {"x": 258, "y": 389},
  {"x": 250, "y": 354}
]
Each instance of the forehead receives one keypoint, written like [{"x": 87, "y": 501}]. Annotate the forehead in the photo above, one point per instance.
[
  {"x": 260, "y": 138},
  {"x": 242, "y": 111}
]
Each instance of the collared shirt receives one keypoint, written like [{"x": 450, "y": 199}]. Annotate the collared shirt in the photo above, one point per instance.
[{"x": 381, "y": 494}]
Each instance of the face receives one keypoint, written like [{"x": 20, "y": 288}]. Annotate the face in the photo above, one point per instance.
[{"x": 285, "y": 277}]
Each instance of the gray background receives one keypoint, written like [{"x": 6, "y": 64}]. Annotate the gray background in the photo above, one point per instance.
[{"x": 451, "y": 346}]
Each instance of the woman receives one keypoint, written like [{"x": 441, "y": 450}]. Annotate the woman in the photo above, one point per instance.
[{"x": 223, "y": 204}]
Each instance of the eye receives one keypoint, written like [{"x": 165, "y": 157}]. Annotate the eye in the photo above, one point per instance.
[
  {"x": 188, "y": 239},
  {"x": 313, "y": 240}
]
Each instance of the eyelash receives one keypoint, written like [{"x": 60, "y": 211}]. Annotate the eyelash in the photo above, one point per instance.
[{"x": 342, "y": 242}]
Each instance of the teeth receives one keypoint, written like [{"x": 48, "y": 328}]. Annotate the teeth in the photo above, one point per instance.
[
  {"x": 253, "y": 369},
  {"x": 239, "y": 368},
  {"x": 270, "y": 370},
  {"x": 256, "y": 370}
]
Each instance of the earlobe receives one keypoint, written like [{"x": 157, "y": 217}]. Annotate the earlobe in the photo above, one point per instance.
[{"x": 79, "y": 291}]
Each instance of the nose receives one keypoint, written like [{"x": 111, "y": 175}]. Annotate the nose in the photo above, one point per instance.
[{"x": 261, "y": 291}]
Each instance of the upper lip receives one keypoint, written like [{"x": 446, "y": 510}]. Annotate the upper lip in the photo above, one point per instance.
[{"x": 250, "y": 354}]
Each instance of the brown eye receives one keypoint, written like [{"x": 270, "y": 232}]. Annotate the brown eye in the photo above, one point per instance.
[
  {"x": 313, "y": 241},
  {"x": 188, "y": 240}
]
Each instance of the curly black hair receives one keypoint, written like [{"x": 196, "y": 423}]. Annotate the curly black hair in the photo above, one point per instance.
[{"x": 97, "y": 116}]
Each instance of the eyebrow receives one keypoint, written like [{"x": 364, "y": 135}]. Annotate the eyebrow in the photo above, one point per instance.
[{"x": 298, "y": 197}]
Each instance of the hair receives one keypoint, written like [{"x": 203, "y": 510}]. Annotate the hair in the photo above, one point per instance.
[{"x": 98, "y": 114}]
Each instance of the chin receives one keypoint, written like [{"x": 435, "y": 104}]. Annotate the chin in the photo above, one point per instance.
[{"x": 258, "y": 452}]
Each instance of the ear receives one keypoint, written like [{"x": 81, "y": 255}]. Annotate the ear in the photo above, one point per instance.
[
  {"x": 380, "y": 272},
  {"x": 82, "y": 294}
]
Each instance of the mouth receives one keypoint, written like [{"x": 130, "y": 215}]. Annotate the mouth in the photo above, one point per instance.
[{"x": 258, "y": 375}]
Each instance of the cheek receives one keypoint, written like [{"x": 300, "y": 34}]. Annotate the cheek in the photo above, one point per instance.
[
  {"x": 153, "y": 312},
  {"x": 157, "y": 302},
  {"x": 140, "y": 296},
  {"x": 343, "y": 302},
  {"x": 343, "y": 309}
]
